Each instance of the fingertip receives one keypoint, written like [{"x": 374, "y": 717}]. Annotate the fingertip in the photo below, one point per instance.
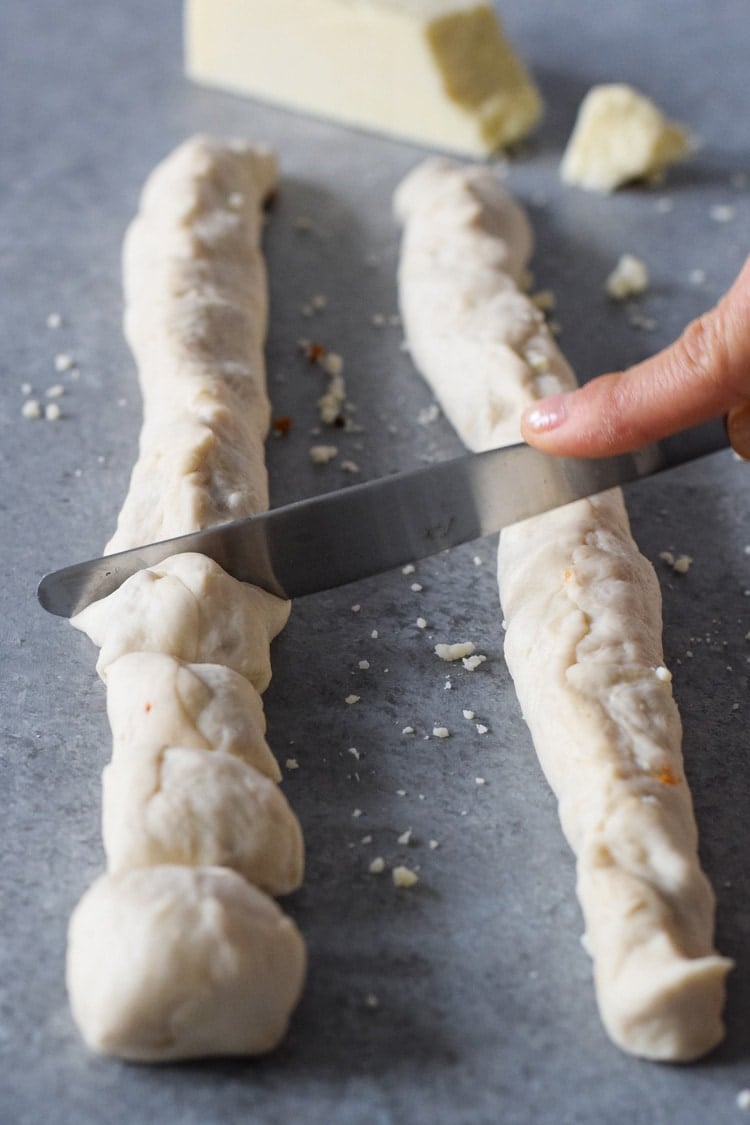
[{"x": 545, "y": 415}]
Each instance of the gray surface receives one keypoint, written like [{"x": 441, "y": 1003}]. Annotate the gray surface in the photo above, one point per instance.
[{"x": 486, "y": 1009}]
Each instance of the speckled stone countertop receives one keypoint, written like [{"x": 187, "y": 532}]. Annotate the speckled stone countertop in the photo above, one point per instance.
[{"x": 485, "y": 1006}]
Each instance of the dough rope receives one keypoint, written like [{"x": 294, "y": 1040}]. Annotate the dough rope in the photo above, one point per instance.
[
  {"x": 178, "y": 951},
  {"x": 583, "y": 642}
]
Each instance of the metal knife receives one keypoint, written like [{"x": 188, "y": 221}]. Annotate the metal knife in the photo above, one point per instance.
[{"x": 369, "y": 528}]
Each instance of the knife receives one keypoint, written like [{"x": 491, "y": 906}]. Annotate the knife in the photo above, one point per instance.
[{"x": 369, "y": 528}]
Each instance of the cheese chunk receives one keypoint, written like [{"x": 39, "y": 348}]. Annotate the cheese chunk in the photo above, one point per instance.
[
  {"x": 620, "y": 136},
  {"x": 437, "y": 72}
]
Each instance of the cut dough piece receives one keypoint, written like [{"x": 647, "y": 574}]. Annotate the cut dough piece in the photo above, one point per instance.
[
  {"x": 620, "y": 136},
  {"x": 178, "y": 963},
  {"x": 155, "y": 701},
  {"x": 196, "y": 308},
  {"x": 438, "y": 72},
  {"x": 583, "y": 642},
  {"x": 465, "y": 246},
  {"x": 188, "y": 607},
  {"x": 200, "y": 808}
]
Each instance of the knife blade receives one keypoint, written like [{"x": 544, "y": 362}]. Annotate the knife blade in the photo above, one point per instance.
[{"x": 353, "y": 533}]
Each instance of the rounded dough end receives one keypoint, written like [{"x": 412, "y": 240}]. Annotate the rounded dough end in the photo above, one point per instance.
[
  {"x": 671, "y": 1014},
  {"x": 170, "y": 963}
]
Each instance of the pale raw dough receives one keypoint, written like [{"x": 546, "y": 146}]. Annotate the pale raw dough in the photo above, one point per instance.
[
  {"x": 196, "y": 309},
  {"x": 155, "y": 701},
  {"x": 176, "y": 963},
  {"x": 465, "y": 248},
  {"x": 583, "y": 612},
  {"x": 190, "y": 608},
  {"x": 200, "y": 808},
  {"x": 165, "y": 961}
]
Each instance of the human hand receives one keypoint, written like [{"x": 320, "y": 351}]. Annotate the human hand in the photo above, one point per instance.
[{"x": 705, "y": 373}]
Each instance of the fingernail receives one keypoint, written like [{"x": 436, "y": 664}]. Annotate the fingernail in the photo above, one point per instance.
[
  {"x": 546, "y": 415},
  {"x": 738, "y": 428}
]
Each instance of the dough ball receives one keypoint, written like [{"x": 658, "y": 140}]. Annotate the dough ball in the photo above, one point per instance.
[
  {"x": 155, "y": 701},
  {"x": 175, "y": 963},
  {"x": 188, "y": 607},
  {"x": 200, "y": 807}
]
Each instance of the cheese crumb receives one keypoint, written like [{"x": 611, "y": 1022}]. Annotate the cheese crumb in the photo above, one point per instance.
[
  {"x": 628, "y": 279},
  {"x": 743, "y": 1099},
  {"x": 722, "y": 213},
  {"x": 405, "y": 837},
  {"x": 682, "y": 564},
  {"x": 441, "y": 732},
  {"x": 292, "y": 764},
  {"x": 374, "y": 634},
  {"x": 363, "y": 664},
  {"x": 663, "y": 674},
  {"x": 55, "y": 391},
  {"x": 54, "y": 320},
  {"x": 31, "y": 408},
  {"x": 63, "y": 362},
  {"x": 322, "y": 454},
  {"x": 421, "y": 623},
  {"x": 349, "y": 466},
  {"x": 455, "y": 651},
  {"x": 407, "y": 730},
  {"x": 377, "y": 867},
  {"x": 332, "y": 363},
  {"x": 404, "y": 877},
  {"x": 416, "y": 587},
  {"x": 434, "y": 844},
  {"x": 408, "y": 569},
  {"x": 428, "y": 414},
  {"x": 52, "y": 412},
  {"x": 352, "y": 699},
  {"x": 354, "y": 752},
  {"x": 356, "y": 813},
  {"x": 471, "y": 663},
  {"x": 356, "y": 608},
  {"x": 480, "y": 781},
  {"x": 481, "y": 728},
  {"x": 468, "y": 714}
]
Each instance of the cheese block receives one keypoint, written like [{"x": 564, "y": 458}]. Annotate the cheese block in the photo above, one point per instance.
[
  {"x": 620, "y": 136},
  {"x": 437, "y": 72}
]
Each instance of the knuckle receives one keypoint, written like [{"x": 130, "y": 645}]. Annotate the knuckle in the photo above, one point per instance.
[{"x": 702, "y": 351}]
